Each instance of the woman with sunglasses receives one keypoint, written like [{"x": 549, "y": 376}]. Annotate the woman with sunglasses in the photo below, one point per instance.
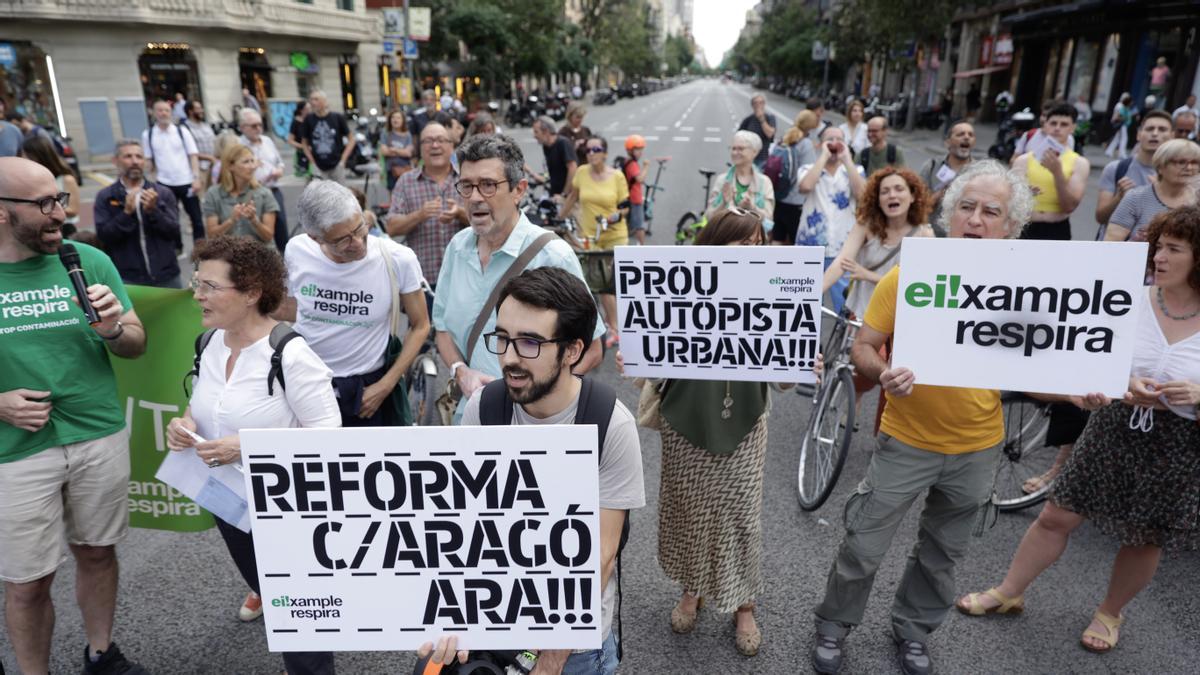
[
  {"x": 714, "y": 444},
  {"x": 238, "y": 204},
  {"x": 603, "y": 196},
  {"x": 744, "y": 185},
  {"x": 238, "y": 283}
]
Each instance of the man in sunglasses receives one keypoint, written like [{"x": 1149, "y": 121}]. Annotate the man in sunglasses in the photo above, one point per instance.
[
  {"x": 64, "y": 447},
  {"x": 499, "y": 244},
  {"x": 426, "y": 207},
  {"x": 544, "y": 324}
]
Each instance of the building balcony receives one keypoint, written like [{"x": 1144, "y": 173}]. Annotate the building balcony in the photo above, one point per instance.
[{"x": 317, "y": 19}]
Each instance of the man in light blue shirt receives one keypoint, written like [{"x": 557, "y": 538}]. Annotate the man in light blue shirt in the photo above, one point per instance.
[{"x": 492, "y": 183}]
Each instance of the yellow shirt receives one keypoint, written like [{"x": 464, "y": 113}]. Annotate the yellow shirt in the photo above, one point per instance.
[
  {"x": 600, "y": 198},
  {"x": 948, "y": 420},
  {"x": 1046, "y": 200}
]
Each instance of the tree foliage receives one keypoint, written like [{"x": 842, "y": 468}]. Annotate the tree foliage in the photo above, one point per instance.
[
  {"x": 784, "y": 44},
  {"x": 679, "y": 54},
  {"x": 862, "y": 27}
]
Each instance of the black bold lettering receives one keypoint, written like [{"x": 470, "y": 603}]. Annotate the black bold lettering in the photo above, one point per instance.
[
  {"x": 393, "y": 475},
  {"x": 962, "y": 330},
  {"x": 277, "y": 490},
  {"x": 321, "y": 550},
  {"x": 583, "y": 542},
  {"x": 985, "y": 333}
]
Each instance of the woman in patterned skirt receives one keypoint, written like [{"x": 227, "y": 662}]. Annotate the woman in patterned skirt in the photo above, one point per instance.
[
  {"x": 714, "y": 442},
  {"x": 1135, "y": 472}
]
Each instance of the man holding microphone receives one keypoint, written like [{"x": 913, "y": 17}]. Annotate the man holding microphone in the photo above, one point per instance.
[{"x": 64, "y": 447}]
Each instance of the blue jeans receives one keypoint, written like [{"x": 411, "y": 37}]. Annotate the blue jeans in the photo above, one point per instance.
[
  {"x": 837, "y": 292},
  {"x": 601, "y": 661}
]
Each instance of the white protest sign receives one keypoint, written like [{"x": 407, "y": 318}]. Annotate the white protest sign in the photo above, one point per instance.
[
  {"x": 748, "y": 313},
  {"x": 386, "y": 538},
  {"x": 1055, "y": 317}
]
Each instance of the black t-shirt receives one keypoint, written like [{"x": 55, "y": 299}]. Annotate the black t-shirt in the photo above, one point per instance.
[
  {"x": 751, "y": 123},
  {"x": 578, "y": 140},
  {"x": 558, "y": 154},
  {"x": 325, "y": 135}
]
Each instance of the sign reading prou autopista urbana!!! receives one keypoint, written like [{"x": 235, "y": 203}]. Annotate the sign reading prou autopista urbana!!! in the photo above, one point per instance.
[
  {"x": 1051, "y": 317},
  {"x": 383, "y": 539}
]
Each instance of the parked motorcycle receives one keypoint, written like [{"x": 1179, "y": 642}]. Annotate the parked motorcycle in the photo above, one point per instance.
[
  {"x": 1008, "y": 132},
  {"x": 604, "y": 97}
]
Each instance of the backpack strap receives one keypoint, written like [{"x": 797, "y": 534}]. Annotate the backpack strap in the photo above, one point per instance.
[
  {"x": 891, "y": 154},
  {"x": 1123, "y": 168},
  {"x": 202, "y": 341},
  {"x": 281, "y": 334},
  {"x": 495, "y": 406}
]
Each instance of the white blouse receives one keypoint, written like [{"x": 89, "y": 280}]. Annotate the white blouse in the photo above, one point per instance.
[
  {"x": 221, "y": 408},
  {"x": 1154, "y": 358}
]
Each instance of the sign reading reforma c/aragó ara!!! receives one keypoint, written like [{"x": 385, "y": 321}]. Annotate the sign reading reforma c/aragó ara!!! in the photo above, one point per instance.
[
  {"x": 385, "y": 538},
  {"x": 1038, "y": 316},
  {"x": 750, "y": 313}
]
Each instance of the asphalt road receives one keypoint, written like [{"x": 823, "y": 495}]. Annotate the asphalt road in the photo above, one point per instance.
[{"x": 180, "y": 593}]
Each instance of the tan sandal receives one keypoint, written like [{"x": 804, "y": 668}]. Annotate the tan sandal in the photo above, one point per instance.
[
  {"x": 1111, "y": 624},
  {"x": 747, "y": 642},
  {"x": 683, "y": 622},
  {"x": 976, "y": 608}
]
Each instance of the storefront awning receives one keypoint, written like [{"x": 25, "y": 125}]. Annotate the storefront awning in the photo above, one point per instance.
[{"x": 979, "y": 71}]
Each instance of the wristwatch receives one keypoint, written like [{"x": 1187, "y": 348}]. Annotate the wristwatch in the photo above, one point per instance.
[
  {"x": 454, "y": 368},
  {"x": 115, "y": 334}
]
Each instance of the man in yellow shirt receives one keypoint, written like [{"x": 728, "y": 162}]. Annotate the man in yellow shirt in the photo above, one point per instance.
[{"x": 940, "y": 439}]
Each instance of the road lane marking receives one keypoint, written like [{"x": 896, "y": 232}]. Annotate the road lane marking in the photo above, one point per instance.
[
  {"x": 687, "y": 128},
  {"x": 712, "y": 128},
  {"x": 650, "y": 138},
  {"x": 711, "y": 139},
  {"x": 682, "y": 139}
]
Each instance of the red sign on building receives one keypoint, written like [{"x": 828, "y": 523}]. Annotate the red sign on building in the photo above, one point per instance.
[{"x": 985, "y": 51}]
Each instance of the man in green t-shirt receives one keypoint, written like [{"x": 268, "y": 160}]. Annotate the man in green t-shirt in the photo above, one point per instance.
[
  {"x": 879, "y": 153},
  {"x": 64, "y": 447}
]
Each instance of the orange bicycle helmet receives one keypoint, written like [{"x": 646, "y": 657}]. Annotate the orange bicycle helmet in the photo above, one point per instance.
[{"x": 634, "y": 141}]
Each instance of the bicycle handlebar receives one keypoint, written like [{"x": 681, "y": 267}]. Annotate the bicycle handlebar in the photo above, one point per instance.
[{"x": 832, "y": 314}]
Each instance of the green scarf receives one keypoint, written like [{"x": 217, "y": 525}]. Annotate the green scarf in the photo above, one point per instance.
[{"x": 693, "y": 409}]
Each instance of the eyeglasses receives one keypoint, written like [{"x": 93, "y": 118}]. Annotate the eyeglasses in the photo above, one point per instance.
[
  {"x": 253, "y": 126},
  {"x": 358, "y": 233},
  {"x": 436, "y": 141},
  {"x": 487, "y": 188},
  {"x": 594, "y": 149},
  {"x": 1181, "y": 163},
  {"x": 46, "y": 204},
  {"x": 206, "y": 287},
  {"x": 527, "y": 347}
]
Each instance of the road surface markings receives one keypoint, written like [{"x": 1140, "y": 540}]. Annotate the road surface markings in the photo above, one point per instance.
[
  {"x": 712, "y": 128},
  {"x": 683, "y": 139},
  {"x": 660, "y": 128},
  {"x": 687, "y": 128},
  {"x": 650, "y": 138},
  {"x": 711, "y": 139}
]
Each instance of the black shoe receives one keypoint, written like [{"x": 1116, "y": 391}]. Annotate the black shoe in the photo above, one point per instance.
[
  {"x": 827, "y": 654},
  {"x": 111, "y": 662},
  {"x": 914, "y": 658}
]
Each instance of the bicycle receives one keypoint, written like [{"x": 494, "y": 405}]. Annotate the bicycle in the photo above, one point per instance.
[
  {"x": 1024, "y": 453},
  {"x": 826, "y": 440},
  {"x": 690, "y": 223},
  {"x": 651, "y": 189},
  {"x": 422, "y": 377}
]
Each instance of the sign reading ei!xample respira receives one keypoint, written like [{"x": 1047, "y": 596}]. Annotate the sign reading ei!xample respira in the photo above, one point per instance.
[{"x": 1051, "y": 317}]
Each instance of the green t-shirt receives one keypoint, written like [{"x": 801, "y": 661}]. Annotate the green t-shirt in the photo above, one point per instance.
[{"x": 47, "y": 345}]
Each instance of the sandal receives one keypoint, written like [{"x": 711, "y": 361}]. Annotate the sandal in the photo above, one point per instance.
[
  {"x": 683, "y": 622},
  {"x": 1035, "y": 484},
  {"x": 1111, "y": 624},
  {"x": 747, "y": 642},
  {"x": 974, "y": 607}
]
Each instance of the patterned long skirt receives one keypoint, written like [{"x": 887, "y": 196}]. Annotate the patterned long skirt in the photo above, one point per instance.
[
  {"x": 710, "y": 518},
  {"x": 1141, "y": 487}
]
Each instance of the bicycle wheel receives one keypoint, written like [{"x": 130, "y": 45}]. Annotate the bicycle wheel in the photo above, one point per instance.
[
  {"x": 686, "y": 228},
  {"x": 1024, "y": 454},
  {"x": 826, "y": 440}
]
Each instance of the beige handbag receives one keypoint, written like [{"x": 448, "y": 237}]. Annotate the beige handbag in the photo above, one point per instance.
[{"x": 650, "y": 403}]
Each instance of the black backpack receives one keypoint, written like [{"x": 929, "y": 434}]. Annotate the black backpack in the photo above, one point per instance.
[
  {"x": 596, "y": 403},
  {"x": 281, "y": 334}
]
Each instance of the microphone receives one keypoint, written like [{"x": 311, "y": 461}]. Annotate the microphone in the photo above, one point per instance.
[{"x": 70, "y": 260}]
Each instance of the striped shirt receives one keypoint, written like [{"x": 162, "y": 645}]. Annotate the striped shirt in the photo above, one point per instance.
[{"x": 430, "y": 237}]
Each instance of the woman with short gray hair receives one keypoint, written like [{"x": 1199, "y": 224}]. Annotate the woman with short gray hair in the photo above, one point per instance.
[
  {"x": 1177, "y": 163},
  {"x": 343, "y": 290},
  {"x": 744, "y": 186}
]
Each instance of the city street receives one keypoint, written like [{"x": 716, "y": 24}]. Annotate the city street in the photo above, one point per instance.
[{"x": 180, "y": 593}]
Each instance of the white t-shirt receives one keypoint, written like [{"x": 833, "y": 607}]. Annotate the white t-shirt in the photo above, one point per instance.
[
  {"x": 172, "y": 164},
  {"x": 343, "y": 309},
  {"x": 268, "y": 158},
  {"x": 622, "y": 486},
  {"x": 828, "y": 213},
  {"x": 1154, "y": 358},
  {"x": 222, "y": 408}
]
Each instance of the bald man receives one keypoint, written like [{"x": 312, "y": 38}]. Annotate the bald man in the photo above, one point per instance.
[{"x": 64, "y": 448}]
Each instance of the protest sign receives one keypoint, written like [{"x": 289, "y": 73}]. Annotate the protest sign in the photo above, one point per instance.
[
  {"x": 151, "y": 387},
  {"x": 1037, "y": 316},
  {"x": 385, "y": 538},
  {"x": 749, "y": 313}
]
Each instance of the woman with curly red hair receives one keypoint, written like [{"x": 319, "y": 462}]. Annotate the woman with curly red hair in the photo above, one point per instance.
[{"x": 894, "y": 205}]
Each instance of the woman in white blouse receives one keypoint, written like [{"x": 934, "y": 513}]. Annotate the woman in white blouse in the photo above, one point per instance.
[
  {"x": 1135, "y": 472},
  {"x": 238, "y": 283}
]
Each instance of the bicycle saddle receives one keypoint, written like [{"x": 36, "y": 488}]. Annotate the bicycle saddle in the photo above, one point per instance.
[{"x": 707, "y": 173}]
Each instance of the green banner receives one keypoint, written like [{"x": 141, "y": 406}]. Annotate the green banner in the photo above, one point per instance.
[{"x": 152, "y": 390}]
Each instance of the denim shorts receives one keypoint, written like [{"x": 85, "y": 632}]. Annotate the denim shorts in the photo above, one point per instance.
[
  {"x": 601, "y": 661},
  {"x": 637, "y": 217}
]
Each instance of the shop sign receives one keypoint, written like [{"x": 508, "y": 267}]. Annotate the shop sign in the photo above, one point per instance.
[
  {"x": 8, "y": 55},
  {"x": 420, "y": 20},
  {"x": 1003, "y": 54},
  {"x": 985, "y": 50}
]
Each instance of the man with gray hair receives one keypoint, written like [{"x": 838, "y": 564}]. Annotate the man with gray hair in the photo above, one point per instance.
[
  {"x": 342, "y": 285},
  {"x": 425, "y": 206},
  {"x": 138, "y": 221},
  {"x": 560, "y": 156},
  {"x": 326, "y": 138},
  {"x": 499, "y": 244},
  {"x": 762, "y": 124},
  {"x": 270, "y": 166},
  {"x": 940, "y": 439}
]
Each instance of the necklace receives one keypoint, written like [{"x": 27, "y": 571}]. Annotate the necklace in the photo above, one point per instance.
[
  {"x": 1163, "y": 306},
  {"x": 726, "y": 413}
]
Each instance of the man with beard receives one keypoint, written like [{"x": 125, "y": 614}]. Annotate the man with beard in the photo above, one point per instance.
[
  {"x": 940, "y": 439},
  {"x": 64, "y": 447},
  {"x": 939, "y": 173},
  {"x": 138, "y": 221},
  {"x": 499, "y": 244},
  {"x": 544, "y": 324},
  {"x": 206, "y": 140},
  {"x": 1122, "y": 175}
]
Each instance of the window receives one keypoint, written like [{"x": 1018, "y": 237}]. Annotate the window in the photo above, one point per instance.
[{"x": 347, "y": 5}]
